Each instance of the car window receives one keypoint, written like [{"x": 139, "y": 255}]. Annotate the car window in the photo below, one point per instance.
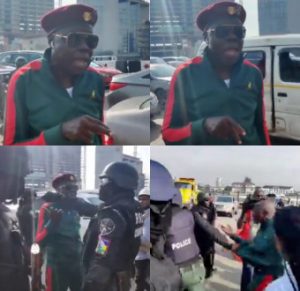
[
  {"x": 289, "y": 65},
  {"x": 27, "y": 56},
  {"x": 5, "y": 58},
  {"x": 224, "y": 199},
  {"x": 162, "y": 71},
  {"x": 258, "y": 58},
  {"x": 180, "y": 185}
]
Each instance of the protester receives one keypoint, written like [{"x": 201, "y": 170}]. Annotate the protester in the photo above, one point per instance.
[{"x": 261, "y": 252}]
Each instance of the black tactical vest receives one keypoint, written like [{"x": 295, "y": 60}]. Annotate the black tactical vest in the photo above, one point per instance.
[{"x": 181, "y": 244}]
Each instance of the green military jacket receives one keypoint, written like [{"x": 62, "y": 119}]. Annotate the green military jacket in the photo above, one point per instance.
[
  {"x": 62, "y": 240},
  {"x": 37, "y": 104},
  {"x": 197, "y": 92},
  {"x": 261, "y": 252}
]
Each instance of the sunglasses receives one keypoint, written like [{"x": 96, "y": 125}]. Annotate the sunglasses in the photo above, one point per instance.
[
  {"x": 225, "y": 30},
  {"x": 75, "y": 39}
]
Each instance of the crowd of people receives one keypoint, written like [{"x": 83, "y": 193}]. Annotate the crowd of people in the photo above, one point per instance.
[
  {"x": 182, "y": 238},
  {"x": 47, "y": 253}
]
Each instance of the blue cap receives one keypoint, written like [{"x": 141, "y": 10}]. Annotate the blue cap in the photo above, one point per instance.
[{"x": 162, "y": 186}]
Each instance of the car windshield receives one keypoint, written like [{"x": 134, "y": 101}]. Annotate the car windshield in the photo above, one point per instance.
[
  {"x": 224, "y": 199},
  {"x": 162, "y": 71},
  {"x": 181, "y": 185}
]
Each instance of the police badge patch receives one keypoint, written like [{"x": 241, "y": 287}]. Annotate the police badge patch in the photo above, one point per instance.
[
  {"x": 102, "y": 246},
  {"x": 107, "y": 226}
]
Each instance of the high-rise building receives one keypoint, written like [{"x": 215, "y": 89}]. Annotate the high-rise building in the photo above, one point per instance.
[
  {"x": 118, "y": 25},
  {"x": 20, "y": 18},
  {"x": 278, "y": 16},
  {"x": 47, "y": 162},
  {"x": 107, "y": 155},
  {"x": 219, "y": 182},
  {"x": 172, "y": 25}
]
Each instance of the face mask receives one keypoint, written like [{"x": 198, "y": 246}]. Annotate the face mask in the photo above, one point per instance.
[
  {"x": 107, "y": 190},
  {"x": 160, "y": 220}
]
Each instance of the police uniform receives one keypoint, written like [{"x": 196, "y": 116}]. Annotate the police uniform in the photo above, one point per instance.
[
  {"x": 113, "y": 238},
  {"x": 111, "y": 244},
  {"x": 37, "y": 105},
  {"x": 182, "y": 248},
  {"x": 262, "y": 254},
  {"x": 197, "y": 93},
  {"x": 61, "y": 242},
  {"x": 207, "y": 245}
]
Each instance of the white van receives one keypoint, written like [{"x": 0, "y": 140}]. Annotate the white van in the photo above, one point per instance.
[{"x": 278, "y": 57}]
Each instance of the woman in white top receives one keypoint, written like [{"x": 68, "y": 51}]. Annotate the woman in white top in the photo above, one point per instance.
[{"x": 287, "y": 228}]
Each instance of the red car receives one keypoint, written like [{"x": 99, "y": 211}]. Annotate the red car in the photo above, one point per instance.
[{"x": 106, "y": 72}]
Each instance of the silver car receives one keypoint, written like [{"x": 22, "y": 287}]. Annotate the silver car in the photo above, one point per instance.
[
  {"x": 10, "y": 57},
  {"x": 129, "y": 121},
  {"x": 129, "y": 85},
  {"x": 161, "y": 76},
  {"x": 156, "y": 60}
]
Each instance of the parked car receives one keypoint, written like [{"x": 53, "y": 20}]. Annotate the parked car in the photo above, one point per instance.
[
  {"x": 161, "y": 75},
  {"x": 129, "y": 121},
  {"x": 226, "y": 204},
  {"x": 156, "y": 60},
  {"x": 106, "y": 72},
  {"x": 9, "y": 57},
  {"x": 128, "y": 85},
  {"x": 175, "y": 58}
]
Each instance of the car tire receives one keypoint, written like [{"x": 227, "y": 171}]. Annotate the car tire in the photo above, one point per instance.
[{"x": 162, "y": 99}]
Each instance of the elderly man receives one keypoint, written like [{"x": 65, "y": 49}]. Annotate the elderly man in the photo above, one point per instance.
[
  {"x": 217, "y": 99},
  {"x": 59, "y": 100},
  {"x": 260, "y": 252}
]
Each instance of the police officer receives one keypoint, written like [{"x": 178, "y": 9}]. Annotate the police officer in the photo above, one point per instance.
[
  {"x": 207, "y": 210},
  {"x": 14, "y": 262},
  {"x": 113, "y": 238},
  {"x": 164, "y": 274},
  {"x": 58, "y": 234},
  {"x": 218, "y": 98},
  {"x": 180, "y": 242},
  {"x": 58, "y": 100},
  {"x": 142, "y": 260}
]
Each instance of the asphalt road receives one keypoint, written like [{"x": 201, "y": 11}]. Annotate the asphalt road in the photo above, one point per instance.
[{"x": 228, "y": 273}]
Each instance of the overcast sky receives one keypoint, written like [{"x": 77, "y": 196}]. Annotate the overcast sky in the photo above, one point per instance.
[{"x": 265, "y": 165}]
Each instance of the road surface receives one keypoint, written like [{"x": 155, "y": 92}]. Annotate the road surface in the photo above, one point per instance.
[{"x": 227, "y": 276}]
